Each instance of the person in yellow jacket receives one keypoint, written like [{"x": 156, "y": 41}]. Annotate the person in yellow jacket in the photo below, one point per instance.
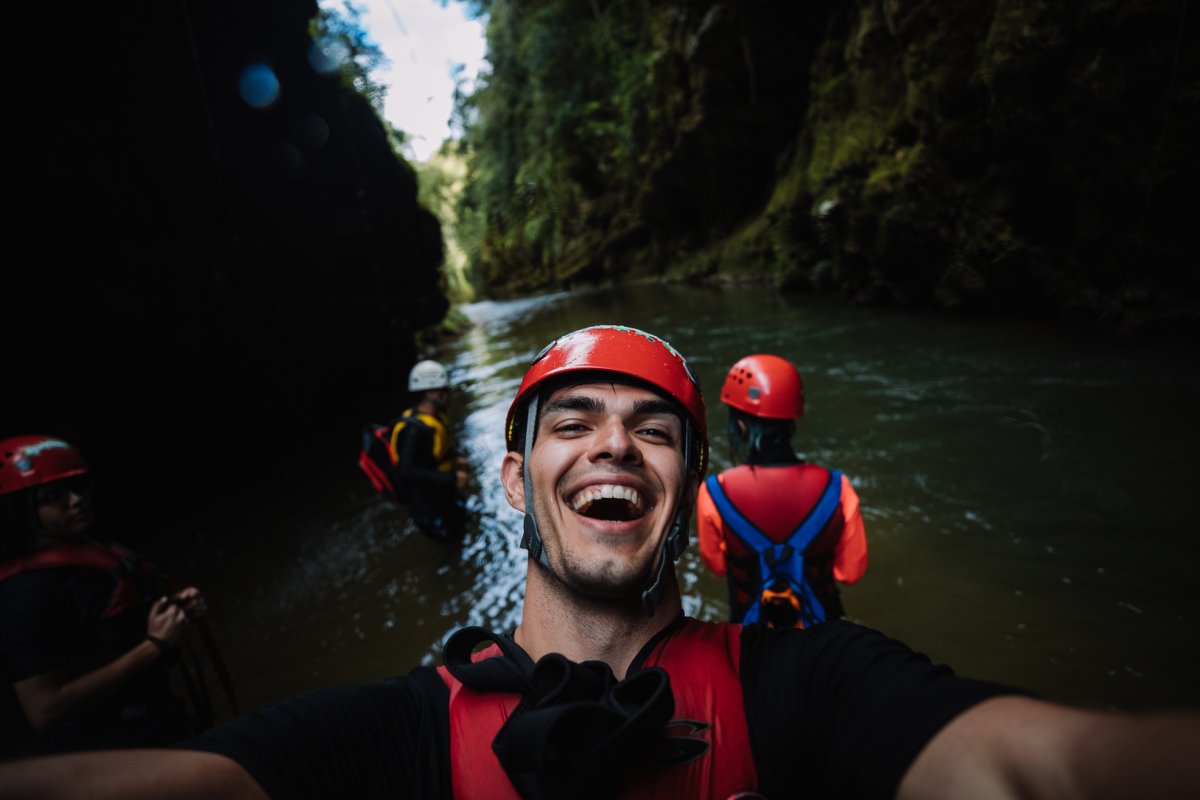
[{"x": 427, "y": 472}]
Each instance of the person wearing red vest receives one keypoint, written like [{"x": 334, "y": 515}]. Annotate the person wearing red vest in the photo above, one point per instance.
[
  {"x": 87, "y": 627},
  {"x": 783, "y": 532},
  {"x": 606, "y": 689}
]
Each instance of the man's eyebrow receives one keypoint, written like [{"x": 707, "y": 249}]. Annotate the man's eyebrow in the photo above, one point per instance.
[
  {"x": 575, "y": 402},
  {"x": 594, "y": 405},
  {"x": 654, "y": 407}
]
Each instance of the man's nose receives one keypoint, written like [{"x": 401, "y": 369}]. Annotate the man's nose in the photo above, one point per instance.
[{"x": 613, "y": 442}]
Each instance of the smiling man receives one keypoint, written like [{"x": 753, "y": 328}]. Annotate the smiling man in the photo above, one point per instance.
[
  {"x": 606, "y": 689},
  {"x": 608, "y": 452},
  {"x": 616, "y": 422}
]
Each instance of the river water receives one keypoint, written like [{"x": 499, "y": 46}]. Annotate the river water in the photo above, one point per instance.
[{"x": 1026, "y": 491}]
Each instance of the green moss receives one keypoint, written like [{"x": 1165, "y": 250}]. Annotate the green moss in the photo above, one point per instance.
[
  {"x": 832, "y": 85},
  {"x": 791, "y": 184},
  {"x": 894, "y": 167}
]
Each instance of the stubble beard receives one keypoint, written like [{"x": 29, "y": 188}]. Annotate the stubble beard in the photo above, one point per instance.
[
  {"x": 610, "y": 579},
  {"x": 605, "y": 577}
]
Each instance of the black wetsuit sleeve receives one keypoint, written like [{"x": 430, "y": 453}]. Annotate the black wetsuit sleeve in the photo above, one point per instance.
[
  {"x": 385, "y": 740},
  {"x": 414, "y": 458},
  {"x": 840, "y": 710},
  {"x": 36, "y": 625}
]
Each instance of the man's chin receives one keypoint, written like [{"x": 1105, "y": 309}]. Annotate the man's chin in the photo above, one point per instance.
[{"x": 609, "y": 581}]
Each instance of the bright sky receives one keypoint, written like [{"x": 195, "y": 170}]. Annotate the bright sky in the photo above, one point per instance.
[{"x": 423, "y": 41}]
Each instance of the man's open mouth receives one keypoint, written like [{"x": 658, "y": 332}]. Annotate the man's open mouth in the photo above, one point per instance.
[{"x": 608, "y": 502}]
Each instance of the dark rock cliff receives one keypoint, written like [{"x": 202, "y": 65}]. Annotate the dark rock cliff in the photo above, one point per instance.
[
  {"x": 196, "y": 275},
  {"x": 1014, "y": 156},
  {"x": 986, "y": 155}
]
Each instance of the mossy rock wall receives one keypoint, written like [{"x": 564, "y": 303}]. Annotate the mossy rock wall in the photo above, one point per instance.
[{"x": 1010, "y": 155}]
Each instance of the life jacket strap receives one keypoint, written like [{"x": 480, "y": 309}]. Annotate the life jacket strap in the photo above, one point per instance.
[
  {"x": 374, "y": 458},
  {"x": 782, "y": 561},
  {"x": 576, "y": 731}
]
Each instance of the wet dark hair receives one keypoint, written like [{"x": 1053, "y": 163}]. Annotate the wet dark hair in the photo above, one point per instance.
[{"x": 767, "y": 441}]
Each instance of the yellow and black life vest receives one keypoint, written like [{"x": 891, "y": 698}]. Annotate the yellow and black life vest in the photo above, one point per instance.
[{"x": 441, "y": 437}]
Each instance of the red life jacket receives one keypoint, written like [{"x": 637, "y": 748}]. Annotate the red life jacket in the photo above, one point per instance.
[
  {"x": 137, "y": 580},
  {"x": 374, "y": 458},
  {"x": 135, "y": 577},
  {"x": 778, "y": 516},
  {"x": 702, "y": 659}
]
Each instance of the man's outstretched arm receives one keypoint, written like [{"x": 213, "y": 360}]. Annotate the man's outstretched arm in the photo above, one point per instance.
[
  {"x": 128, "y": 774},
  {"x": 1024, "y": 748}
]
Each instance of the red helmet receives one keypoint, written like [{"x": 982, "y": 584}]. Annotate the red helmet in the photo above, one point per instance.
[
  {"x": 27, "y": 461},
  {"x": 764, "y": 386},
  {"x": 624, "y": 351}
]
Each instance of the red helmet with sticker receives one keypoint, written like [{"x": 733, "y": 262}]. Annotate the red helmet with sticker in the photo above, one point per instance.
[
  {"x": 766, "y": 386},
  {"x": 28, "y": 461},
  {"x": 620, "y": 350}
]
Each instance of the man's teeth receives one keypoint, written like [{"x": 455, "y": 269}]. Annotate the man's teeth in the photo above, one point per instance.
[{"x": 607, "y": 491}]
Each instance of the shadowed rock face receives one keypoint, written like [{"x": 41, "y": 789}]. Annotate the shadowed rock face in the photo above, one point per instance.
[
  {"x": 202, "y": 267},
  {"x": 1011, "y": 156}
]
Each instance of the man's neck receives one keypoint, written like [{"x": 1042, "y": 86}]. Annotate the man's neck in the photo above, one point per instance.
[
  {"x": 556, "y": 620},
  {"x": 773, "y": 454},
  {"x": 427, "y": 406}
]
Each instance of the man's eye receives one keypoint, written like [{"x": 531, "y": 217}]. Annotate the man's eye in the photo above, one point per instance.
[{"x": 656, "y": 433}]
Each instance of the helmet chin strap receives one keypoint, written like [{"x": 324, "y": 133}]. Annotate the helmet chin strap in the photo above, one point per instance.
[
  {"x": 676, "y": 539},
  {"x": 674, "y": 543},
  {"x": 531, "y": 540}
]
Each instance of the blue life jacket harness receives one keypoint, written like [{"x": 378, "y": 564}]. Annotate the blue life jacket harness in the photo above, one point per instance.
[{"x": 782, "y": 561}]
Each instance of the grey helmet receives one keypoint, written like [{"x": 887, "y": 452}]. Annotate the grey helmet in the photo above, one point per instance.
[{"x": 427, "y": 375}]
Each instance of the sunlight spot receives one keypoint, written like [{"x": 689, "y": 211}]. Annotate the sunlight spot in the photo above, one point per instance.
[
  {"x": 258, "y": 85},
  {"x": 326, "y": 55}
]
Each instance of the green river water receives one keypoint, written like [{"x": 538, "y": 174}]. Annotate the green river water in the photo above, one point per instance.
[{"x": 1026, "y": 491}]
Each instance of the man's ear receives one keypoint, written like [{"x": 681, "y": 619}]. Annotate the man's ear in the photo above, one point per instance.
[{"x": 513, "y": 477}]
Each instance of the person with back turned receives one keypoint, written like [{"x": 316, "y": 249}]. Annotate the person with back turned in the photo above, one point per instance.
[
  {"x": 783, "y": 532},
  {"x": 414, "y": 459},
  {"x": 607, "y": 689}
]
